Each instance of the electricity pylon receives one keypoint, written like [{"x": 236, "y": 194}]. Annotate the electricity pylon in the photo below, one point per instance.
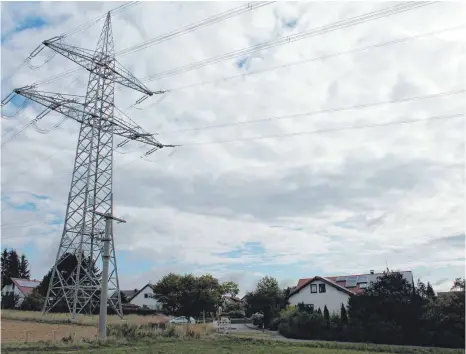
[{"x": 91, "y": 185}]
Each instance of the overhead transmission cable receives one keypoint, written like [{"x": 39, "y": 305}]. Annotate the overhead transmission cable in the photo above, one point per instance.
[
  {"x": 322, "y": 57},
  {"x": 79, "y": 28},
  {"x": 97, "y": 19},
  {"x": 170, "y": 35},
  {"x": 311, "y": 113},
  {"x": 297, "y": 115},
  {"x": 353, "y": 21},
  {"x": 319, "y": 131},
  {"x": 322, "y": 131}
]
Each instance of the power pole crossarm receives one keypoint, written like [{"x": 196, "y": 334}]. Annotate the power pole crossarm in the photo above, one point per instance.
[
  {"x": 95, "y": 63},
  {"x": 73, "y": 107}
]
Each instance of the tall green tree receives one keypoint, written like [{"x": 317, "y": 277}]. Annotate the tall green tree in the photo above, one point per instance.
[
  {"x": 24, "y": 271},
  {"x": 5, "y": 268},
  {"x": 267, "y": 298},
  {"x": 343, "y": 315},
  {"x": 326, "y": 316},
  {"x": 11, "y": 266}
]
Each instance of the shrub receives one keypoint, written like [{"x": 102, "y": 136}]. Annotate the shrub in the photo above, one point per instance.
[
  {"x": 235, "y": 314},
  {"x": 9, "y": 301},
  {"x": 32, "y": 302}
]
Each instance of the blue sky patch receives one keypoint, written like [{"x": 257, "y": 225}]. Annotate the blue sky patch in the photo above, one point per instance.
[
  {"x": 241, "y": 63},
  {"x": 290, "y": 23},
  {"x": 248, "y": 248},
  {"x": 29, "y": 22}
]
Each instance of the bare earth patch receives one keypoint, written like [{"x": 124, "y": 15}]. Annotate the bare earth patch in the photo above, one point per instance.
[
  {"x": 82, "y": 319},
  {"x": 22, "y": 331}
]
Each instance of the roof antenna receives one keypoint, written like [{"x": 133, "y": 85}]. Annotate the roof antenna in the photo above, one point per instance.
[{"x": 386, "y": 264}]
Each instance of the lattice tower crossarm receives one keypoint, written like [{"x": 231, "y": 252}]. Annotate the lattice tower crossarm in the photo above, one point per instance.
[{"x": 91, "y": 185}]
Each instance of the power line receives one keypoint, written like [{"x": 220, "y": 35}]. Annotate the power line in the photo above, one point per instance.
[
  {"x": 97, "y": 19},
  {"x": 323, "y": 57},
  {"x": 287, "y": 135},
  {"x": 170, "y": 35},
  {"x": 311, "y": 113},
  {"x": 79, "y": 28},
  {"x": 353, "y": 21},
  {"x": 322, "y": 131}
]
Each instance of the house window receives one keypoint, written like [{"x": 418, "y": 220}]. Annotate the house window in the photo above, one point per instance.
[
  {"x": 363, "y": 286},
  {"x": 146, "y": 296},
  {"x": 313, "y": 288},
  {"x": 321, "y": 288}
]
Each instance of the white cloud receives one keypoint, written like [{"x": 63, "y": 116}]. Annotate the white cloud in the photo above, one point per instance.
[{"x": 344, "y": 200}]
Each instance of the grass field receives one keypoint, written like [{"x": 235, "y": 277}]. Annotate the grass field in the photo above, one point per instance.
[{"x": 222, "y": 345}]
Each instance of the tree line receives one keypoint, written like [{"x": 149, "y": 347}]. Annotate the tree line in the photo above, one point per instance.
[
  {"x": 390, "y": 311},
  {"x": 13, "y": 266}
]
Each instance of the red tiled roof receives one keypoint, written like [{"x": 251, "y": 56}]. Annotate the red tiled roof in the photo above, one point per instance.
[
  {"x": 26, "y": 286},
  {"x": 355, "y": 290},
  {"x": 305, "y": 282}
]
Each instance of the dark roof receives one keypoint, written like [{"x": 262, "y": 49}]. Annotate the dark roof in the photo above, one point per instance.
[
  {"x": 131, "y": 294},
  {"x": 139, "y": 291},
  {"x": 233, "y": 298},
  {"x": 325, "y": 280}
]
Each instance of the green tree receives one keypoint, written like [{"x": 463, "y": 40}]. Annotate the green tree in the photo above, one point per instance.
[
  {"x": 5, "y": 268},
  {"x": 187, "y": 295},
  {"x": 67, "y": 267},
  {"x": 430, "y": 291},
  {"x": 343, "y": 315},
  {"x": 458, "y": 285},
  {"x": 326, "y": 316},
  {"x": 24, "y": 271},
  {"x": 267, "y": 298},
  {"x": 230, "y": 288},
  {"x": 11, "y": 266},
  {"x": 389, "y": 311}
]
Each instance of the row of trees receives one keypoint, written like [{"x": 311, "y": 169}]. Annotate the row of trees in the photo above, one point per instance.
[
  {"x": 188, "y": 295},
  {"x": 391, "y": 311},
  {"x": 13, "y": 266}
]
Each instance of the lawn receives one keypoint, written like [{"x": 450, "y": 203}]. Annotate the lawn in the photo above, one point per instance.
[
  {"x": 219, "y": 345},
  {"x": 208, "y": 347}
]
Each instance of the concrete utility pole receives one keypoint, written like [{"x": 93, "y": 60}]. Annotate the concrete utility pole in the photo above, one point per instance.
[{"x": 105, "y": 260}]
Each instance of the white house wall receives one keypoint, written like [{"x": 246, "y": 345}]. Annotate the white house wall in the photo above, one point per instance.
[
  {"x": 9, "y": 288},
  {"x": 148, "y": 301},
  {"x": 332, "y": 298}
]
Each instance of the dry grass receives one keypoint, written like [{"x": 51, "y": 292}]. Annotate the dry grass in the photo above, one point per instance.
[
  {"x": 86, "y": 320},
  {"x": 22, "y": 331}
]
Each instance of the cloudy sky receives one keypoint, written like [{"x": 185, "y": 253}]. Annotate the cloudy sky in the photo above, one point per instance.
[{"x": 307, "y": 194}]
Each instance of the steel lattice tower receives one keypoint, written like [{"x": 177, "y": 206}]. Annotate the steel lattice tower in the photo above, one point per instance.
[
  {"x": 91, "y": 185},
  {"x": 91, "y": 188}
]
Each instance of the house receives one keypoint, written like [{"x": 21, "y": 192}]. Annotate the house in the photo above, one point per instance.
[
  {"x": 230, "y": 300},
  {"x": 318, "y": 292},
  {"x": 143, "y": 297},
  {"x": 20, "y": 287}
]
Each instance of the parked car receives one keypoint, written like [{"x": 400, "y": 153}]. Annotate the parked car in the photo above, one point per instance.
[{"x": 182, "y": 320}]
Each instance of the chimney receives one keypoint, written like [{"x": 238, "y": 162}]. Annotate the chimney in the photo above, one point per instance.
[{"x": 372, "y": 272}]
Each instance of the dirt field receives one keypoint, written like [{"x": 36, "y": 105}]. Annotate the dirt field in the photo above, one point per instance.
[
  {"x": 82, "y": 319},
  {"x": 23, "y": 331}
]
